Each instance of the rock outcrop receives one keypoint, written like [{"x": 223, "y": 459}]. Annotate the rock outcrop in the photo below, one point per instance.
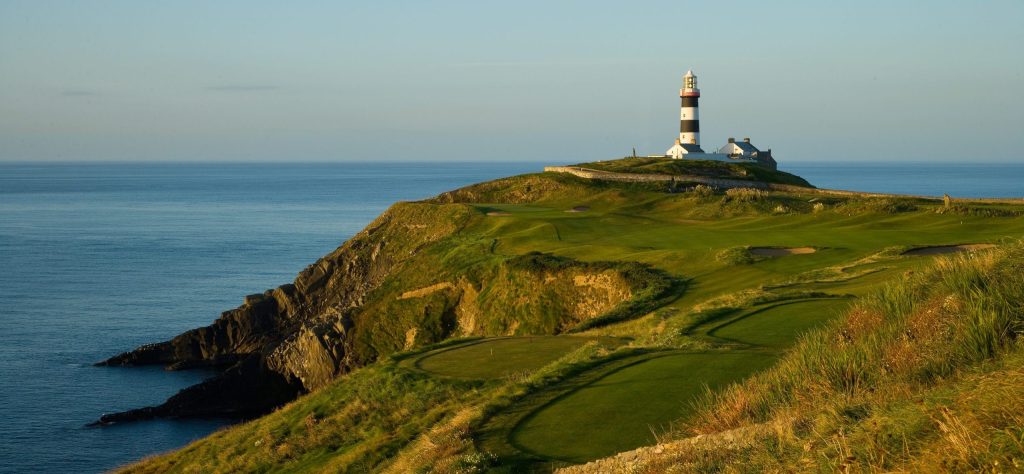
[
  {"x": 291, "y": 339},
  {"x": 385, "y": 290}
]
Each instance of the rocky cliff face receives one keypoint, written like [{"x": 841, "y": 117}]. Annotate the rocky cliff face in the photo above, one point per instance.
[
  {"x": 414, "y": 276},
  {"x": 293, "y": 338}
]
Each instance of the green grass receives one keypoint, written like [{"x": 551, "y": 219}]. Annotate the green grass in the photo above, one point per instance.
[
  {"x": 625, "y": 408},
  {"x": 500, "y": 357},
  {"x": 922, "y": 375},
  {"x": 747, "y": 171},
  {"x": 691, "y": 289},
  {"x": 778, "y": 326}
]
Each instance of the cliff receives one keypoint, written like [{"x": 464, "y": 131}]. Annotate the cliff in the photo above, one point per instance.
[
  {"x": 812, "y": 348},
  {"x": 406, "y": 280}
]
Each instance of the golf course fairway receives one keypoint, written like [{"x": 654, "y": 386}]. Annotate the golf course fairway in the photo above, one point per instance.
[
  {"x": 498, "y": 357},
  {"x": 780, "y": 325},
  {"x": 625, "y": 408}
]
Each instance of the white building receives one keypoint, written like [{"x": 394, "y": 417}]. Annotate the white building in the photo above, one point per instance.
[
  {"x": 687, "y": 146},
  {"x": 747, "y": 151},
  {"x": 679, "y": 149},
  {"x": 739, "y": 149}
]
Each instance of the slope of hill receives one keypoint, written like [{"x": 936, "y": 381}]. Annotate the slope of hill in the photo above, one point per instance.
[
  {"x": 715, "y": 169},
  {"x": 414, "y": 346},
  {"x": 923, "y": 375}
]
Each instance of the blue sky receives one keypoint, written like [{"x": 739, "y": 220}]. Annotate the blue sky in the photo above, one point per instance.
[{"x": 541, "y": 81}]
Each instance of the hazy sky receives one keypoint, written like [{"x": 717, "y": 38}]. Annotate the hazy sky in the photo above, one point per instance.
[{"x": 553, "y": 80}]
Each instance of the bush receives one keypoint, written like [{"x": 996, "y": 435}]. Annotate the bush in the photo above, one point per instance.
[
  {"x": 702, "y": 191},
  {"x": 882, "y": 205},
  {"x": 736, "y": 256},
  {"x": 980, "y": 211},
  {"x": 745, "y": 194}
]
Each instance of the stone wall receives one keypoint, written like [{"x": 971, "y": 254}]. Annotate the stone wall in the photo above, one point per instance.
[{"x": 723, "y": 183}]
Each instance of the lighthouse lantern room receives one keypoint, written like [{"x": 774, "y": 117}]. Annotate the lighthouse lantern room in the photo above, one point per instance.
[{"x": 689, "y": 120}]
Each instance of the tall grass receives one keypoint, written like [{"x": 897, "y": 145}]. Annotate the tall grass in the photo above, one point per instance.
[
  {"x": 842, "y": 385},
  {"x": 745, "y": 194}
]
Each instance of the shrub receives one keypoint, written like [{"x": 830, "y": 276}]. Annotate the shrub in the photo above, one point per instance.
[
  {"x": 980, "y": 211},
  {"x": 884, "y": 205},
  {"x": 702, "y": 191},
  {"x": 736, "y": 256},
  {"x": 745, "y": 194}
]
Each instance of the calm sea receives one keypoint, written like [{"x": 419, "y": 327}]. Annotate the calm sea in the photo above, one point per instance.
[
  {"x": 100, "y": 258},
  {"x": 926, "y": 179}
]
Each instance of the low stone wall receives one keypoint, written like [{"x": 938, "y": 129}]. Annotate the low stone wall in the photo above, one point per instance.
[
  {"x": 655, "y": 178},
  {"x": 723, "y": 183}
]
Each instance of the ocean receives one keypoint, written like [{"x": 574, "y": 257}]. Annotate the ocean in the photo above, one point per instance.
[
  {"x": 98, "y": 258},
  {"x": 1003, "y": 180}
]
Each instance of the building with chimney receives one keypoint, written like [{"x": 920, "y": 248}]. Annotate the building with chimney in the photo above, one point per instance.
[{"x": 688, "y": 147}]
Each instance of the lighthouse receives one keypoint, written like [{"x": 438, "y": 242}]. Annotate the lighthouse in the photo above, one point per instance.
[
  {"x": 689, "y": 122},
  {"x": 688, "y": 144}
]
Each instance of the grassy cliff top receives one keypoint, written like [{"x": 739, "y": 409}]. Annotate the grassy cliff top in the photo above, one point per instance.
[
  {"x": 715, "y": 169},
  {"x": 811, "y": 305}
]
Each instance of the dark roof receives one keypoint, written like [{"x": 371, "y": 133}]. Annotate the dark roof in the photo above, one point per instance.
[
  {"x": 691, "y": 148},
  {"x": 747, "y": 147}
]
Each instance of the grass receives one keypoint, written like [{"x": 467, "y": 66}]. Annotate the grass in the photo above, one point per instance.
[
  {"x": 736, "y": 256},
  {"x": 361, "y": 422},
  {"x": 627, "y": 407},
  {"x": 531, "y": 268},
  {"x": 500, "y": 357},
  {"x": 748, "y": 171},
  {"x": 778, "y": 326},
  {"x": 923, "y": 375}
]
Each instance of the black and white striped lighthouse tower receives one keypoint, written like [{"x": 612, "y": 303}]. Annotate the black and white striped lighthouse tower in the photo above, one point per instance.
[{"x": 689, "y": 122}]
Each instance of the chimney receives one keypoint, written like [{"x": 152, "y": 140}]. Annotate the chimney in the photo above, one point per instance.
[
  {"x": 746, "y": 140},
  {"x": 732, "y": 140}
]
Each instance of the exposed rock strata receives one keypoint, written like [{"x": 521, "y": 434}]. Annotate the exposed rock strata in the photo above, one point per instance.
[
  {"x": 290, "y": 339},
  {"x": 356, "y": 304}
]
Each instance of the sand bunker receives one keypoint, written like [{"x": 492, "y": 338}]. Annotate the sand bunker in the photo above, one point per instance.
[
  {"x": 780, "y": 251},
  {"x": 499, "y": 213},
  {"x": 941, "y": 249},
  {"x": 579, "y": 209}
]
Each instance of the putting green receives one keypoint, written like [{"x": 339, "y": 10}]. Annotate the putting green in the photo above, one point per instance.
[
  {"x": 779, "y": 326},
  {"x": 623, "y": 409},
  {"x": 499, "y": 357}
]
